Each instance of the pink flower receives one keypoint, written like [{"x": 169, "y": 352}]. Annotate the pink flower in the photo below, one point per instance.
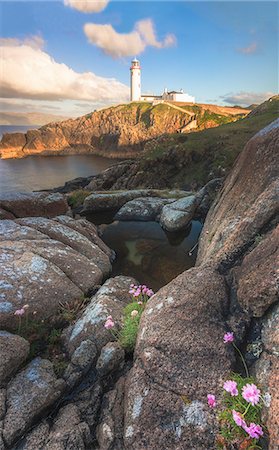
[
  {"x": 109, "y": 323},
  {"x": 134, "y": 313},
  {"x": 254, "y": 431},
  {"x": 211, "y": 400},
  {"x": 251, "y": 393},
  {"x": 139, "y": 303},
  {"x": 237, "y": 417},
  {"x": 19, "y": 312},
  {"x": 231, "y": 387},
  {"x": 228, "y": 337}
]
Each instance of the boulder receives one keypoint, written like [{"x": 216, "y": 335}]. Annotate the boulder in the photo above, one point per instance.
[
  {"x": 112, "y": 358},
  {"x": 179, "y": 214},
  {"x": 81, "y": 361},
  {"x": 13, "y": 352},
  {"x": 47, "y": 264},
  {"x": 110, "y": 299},
  {"x": 266, "y": 370},
  {"x": 113, "y": 200},
  {"x": 70, "y": 237},
  {"x": 258, "y": 276},
  {"x": 180, "y": 357},
  {"x": 143, "y": 209},
  {"x": 6, "y": 214},
  {"x": 29, "y": 394},
  {"x": 246, "y": 203},
  {"x": 29, "y": 204}
]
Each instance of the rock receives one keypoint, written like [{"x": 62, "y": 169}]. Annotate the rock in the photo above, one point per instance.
[
  {"x": 36, "y": 438},
  {"x": 99, "y": 201},
  {"x": 30, "y": 393},
  {"x": 30, "y": 204},
  {"x": 13, "y": 352},
  {"x": 206, "y": 195},
  {"x": 81, "y": 361},
  {"x": 110, "y": 299},
  {"x": 6, "y": 214},
  {"x": 109, "y": 432},
  {"x": 112, "y": 358},
  {"x": 179, "y": 355},
  {"x": 266, "y": 370},
  {"x": 48, "y": 268},
  {"x": 70, "y": 237},
  {"x": 258, "y": 276},
  {"x": 243, "y": 207},
  {"x": 143, "y": 209},
  {"x": 179, "y": 214}
]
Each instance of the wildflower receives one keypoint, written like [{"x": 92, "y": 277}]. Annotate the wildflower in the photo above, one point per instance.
[
  {"x": 19, "y": 312},
  {"x": 139, "y": 303},
  {"x": 134, "y": 313},
  {"x": 25, "y": 306},
  {"x": 231, "y": 387},
  {"x": 109, "y": 323},
  {"x": 254, "y": 431},
  {"x": 237, "y": 417},
  {"x": 251, "y": 393},
  {"x": 228, "y": 337},
  {"x": 211, "y": 400}
]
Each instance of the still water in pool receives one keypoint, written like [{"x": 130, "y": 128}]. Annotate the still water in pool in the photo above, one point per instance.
[{"x": 148, "y": 253}]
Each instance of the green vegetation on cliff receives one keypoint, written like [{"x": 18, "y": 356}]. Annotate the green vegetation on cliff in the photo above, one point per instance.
[{"x": 193, "y": 158}]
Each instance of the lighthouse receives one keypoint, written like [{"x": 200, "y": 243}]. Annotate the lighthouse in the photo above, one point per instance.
[{"x": 135, "y": 81}]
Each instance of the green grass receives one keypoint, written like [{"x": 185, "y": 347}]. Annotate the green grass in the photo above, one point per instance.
[
  {"x": 129, "y": 330},
  {"x": 76, "y": 198},
  {"x": 214, "y": 149}
]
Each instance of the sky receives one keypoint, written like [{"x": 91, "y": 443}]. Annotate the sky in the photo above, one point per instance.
[{"x": 73, "y": 56}]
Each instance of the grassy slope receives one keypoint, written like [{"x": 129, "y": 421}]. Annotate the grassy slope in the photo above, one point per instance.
[{"x": 213, "y": 150}]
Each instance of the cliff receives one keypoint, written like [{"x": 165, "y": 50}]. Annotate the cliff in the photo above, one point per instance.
[{"x": 120, "y": 131}]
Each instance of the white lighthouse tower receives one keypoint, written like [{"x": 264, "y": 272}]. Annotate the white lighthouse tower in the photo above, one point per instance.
[{"x": 135, "y": 81}]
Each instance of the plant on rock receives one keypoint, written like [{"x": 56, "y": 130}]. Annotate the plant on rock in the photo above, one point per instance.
[
  {"x": 240, "y": 410},
  {"x": 127, "y": 335}
]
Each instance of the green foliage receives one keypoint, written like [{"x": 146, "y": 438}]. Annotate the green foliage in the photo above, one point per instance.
[
  {"x": 76, "y": 198},
  {"x": 129, "y": 330},
  {"x": 231, "y": 434}
]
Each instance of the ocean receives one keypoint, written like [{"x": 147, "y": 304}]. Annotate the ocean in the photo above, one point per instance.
[{"x": 46, "y": 172}]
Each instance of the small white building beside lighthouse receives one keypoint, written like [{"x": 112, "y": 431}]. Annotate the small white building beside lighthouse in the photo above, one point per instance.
[
  {"x": 167, "y": 96},
  {"x": 135, "y": 81}
]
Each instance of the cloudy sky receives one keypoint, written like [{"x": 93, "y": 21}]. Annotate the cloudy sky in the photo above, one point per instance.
[{"x": 72, "y": 56}]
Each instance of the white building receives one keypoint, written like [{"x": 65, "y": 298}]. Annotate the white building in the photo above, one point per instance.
[{"x": 168, "y": 96}]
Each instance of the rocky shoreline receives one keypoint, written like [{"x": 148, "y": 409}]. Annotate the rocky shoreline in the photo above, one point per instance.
[{"x": 66, "y": 382}]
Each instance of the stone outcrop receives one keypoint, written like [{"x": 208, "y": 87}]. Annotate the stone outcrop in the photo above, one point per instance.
[
  {"x": 41, "y": 204},
  {"x": 119, "y": 130},
  {"x": 143, "y": 209},
  {"x": 47, "y": 264},
  {"x": 179, "y": 214},
  {"x": 13, "y": 352}
]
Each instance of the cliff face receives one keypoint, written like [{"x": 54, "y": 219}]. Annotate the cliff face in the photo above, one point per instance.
[{"x": 120, "y": 131}]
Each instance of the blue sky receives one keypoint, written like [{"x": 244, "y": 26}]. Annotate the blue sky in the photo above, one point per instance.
[{"x": 221, "y": 52}]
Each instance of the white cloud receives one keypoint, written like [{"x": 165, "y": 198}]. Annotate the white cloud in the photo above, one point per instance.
[
  {"x": 130, "y": 44},
  {"x": 28, "y": 72},
  {"x": 87, "y": 6},
  {"x": 31, "y": 41},
  {"x": 246, "y": 98},
  {"x": 250, "y": 50}
]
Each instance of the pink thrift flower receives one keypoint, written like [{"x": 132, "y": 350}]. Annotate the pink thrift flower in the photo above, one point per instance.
[
  {"x": 136, "y": 294},
  {"x": 231, "y": 387},
  {"x": 139, "y": 303},
  {"x": 228, "y": 337},
  {"x": 254, "y": 431},
  {"x": 19, "y": 312},
  {"x": 251, "y": 393},
  {"x": 211, "y": 400},
  {"x": 237, "y": 417},
  {"x": 109, "y": 317},
  {"x": 109, "y": 323},
  {"x": 134, "y": 313}
]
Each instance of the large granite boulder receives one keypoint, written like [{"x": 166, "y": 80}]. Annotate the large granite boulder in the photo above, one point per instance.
[
  {"x": 32, "y": 392},
  {"x": 258, "y": 276},
  {"x": 13, "y": 352},
  {"x": 247, "y": 202},
  {"x": 179, "y": 214},
  {"x": 180, "y": 358},
  {"x": 30, "y": 204},
  {"x": 143, "y": 209},
  {"x": 110, "y": 299},
  {"x": 99, "y": 201},
  {"x": 47, "y": 264}
]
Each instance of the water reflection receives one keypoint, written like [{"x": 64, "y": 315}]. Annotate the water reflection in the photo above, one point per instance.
[{"x": 148, "y": 253}]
